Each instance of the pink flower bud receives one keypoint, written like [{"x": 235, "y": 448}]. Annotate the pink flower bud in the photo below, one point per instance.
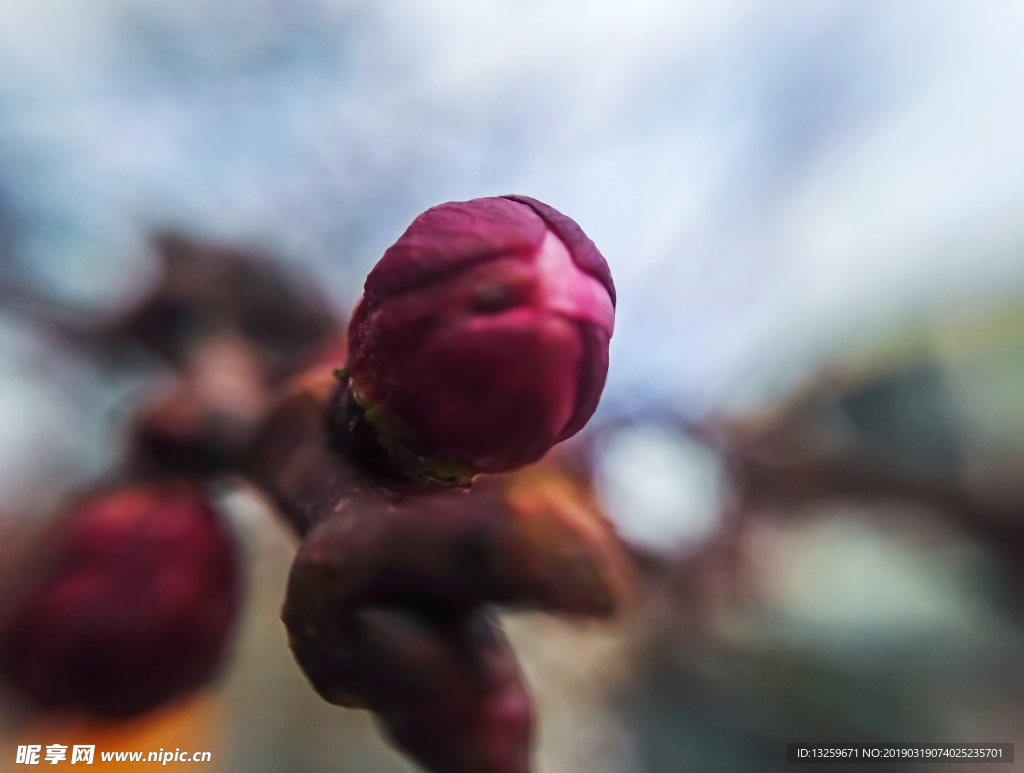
[
  {"x": 132, "y": 607},
  {"x": 482, "y": 338}
]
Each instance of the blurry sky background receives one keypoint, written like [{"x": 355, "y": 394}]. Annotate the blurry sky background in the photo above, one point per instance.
[
  {"x": 771, "y": 182},
  {"x": 765, "y": 178}
]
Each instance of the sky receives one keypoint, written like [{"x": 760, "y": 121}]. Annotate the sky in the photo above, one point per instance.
[{"x": 768, "y": 180}]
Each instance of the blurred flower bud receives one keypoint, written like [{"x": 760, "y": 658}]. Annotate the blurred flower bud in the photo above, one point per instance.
[
  {"x": 444, "y": 683},
  {"x": 447, "y": 691},
  {"x": 201, "y": 421},
  {"x": 481, "y": 339},
  {"x": 132, "y": 606},
  {"x": 386, "y": 605}
]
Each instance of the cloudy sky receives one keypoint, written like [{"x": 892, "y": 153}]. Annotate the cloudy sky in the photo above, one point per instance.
[{"x": 767, "y": 179}]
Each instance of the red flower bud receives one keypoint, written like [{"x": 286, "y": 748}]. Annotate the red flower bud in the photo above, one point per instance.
[
  {"x": 481, "y": 339},
  {"x": 447, "y": 691},
  {"x": 133, "y": 607},
  {"x": 445, "y": 685}
]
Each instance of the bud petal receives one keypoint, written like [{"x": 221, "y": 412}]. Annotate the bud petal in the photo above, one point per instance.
[{"x": 584, "y": 253}]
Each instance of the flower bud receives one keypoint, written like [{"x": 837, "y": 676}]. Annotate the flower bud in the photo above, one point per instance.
[
  {"x": 132, "y": 606},
  {"x": 447, "y": 691},
  {"x": 481, "y": 339},
  {"x": 444, "y": 684}
]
